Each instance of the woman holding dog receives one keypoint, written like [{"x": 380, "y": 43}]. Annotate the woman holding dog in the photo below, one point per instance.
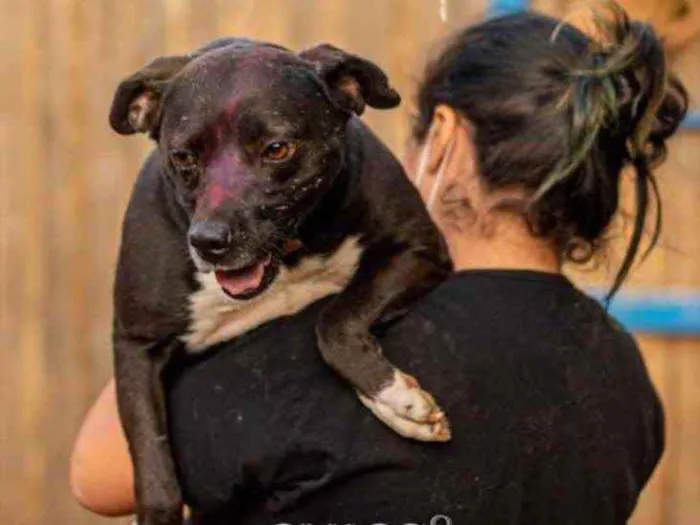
[{"x": 523, "y": 128}]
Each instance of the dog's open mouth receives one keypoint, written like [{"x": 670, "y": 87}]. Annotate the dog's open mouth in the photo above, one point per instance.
[{"x": 245, "y": 283}]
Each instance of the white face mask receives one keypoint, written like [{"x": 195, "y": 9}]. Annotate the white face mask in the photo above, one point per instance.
[{"x": 423, "y": 168}]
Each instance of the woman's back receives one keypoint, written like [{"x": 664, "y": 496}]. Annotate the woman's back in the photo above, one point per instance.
[{"x": 554, "y": 417}]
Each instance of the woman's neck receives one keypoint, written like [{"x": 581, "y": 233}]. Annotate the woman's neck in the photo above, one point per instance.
[{"x": 500, "y": 243}]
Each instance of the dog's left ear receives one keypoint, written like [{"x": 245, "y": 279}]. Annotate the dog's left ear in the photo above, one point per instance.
[{"x": 353, "y": 82}]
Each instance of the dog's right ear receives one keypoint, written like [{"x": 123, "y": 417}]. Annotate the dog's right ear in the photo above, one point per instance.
[
  {"x": 138, "y": 99},
  {"x": 352, "y": 81}
]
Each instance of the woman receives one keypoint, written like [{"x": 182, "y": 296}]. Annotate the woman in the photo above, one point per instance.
[{"x": 524, "y": 126}]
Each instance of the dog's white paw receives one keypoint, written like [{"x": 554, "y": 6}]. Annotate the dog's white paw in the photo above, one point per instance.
[
  {"x": 405, "y": 397},
  {"x": 438, "y": 431},
  {"x": 409, "y": 410}
]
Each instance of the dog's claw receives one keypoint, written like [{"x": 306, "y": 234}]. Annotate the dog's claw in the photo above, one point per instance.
[
  {"x": 441, "y": 430},
  {"x": 437, "y": 416}
]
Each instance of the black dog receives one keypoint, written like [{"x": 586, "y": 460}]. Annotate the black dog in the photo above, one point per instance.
[{"x": 264, "y": 194}]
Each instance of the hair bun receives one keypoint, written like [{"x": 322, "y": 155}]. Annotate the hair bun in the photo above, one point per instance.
[
  {"x": 625, "y": 97},
  {"x": 651, "y": 101}
]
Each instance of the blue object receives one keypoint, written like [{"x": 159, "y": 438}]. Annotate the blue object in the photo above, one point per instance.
[
  {"x": 692, "y": 121},
  {"x": 503, "y": 7},
  {"x": 665, "y": 313}
]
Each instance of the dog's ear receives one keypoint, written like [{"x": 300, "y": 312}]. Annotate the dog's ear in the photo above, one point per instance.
[
  {"x": 353, "y": 82},
  {"x": 137, "y": 101}
]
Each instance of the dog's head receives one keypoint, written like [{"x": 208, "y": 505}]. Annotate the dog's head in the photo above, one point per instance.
[{"x": 253, "y": 136}]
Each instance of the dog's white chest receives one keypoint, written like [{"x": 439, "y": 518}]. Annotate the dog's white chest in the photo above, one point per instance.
[{"x": 215, "y": 317}]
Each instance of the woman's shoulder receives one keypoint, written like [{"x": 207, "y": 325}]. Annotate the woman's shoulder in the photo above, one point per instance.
[
  {"x": 526, "y": 312},
  {"x": 518, "y": 334}
]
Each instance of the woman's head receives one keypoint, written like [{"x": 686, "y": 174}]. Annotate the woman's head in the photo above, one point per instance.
[{"x": 553, "y": 118}]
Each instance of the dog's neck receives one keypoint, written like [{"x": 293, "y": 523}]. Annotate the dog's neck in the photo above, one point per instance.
[{"x": 319, "y": 228}]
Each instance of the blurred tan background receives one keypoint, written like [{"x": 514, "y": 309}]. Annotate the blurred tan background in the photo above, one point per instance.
[{"x": 65, "y": 179}]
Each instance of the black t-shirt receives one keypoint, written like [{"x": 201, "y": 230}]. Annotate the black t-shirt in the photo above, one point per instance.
[{"x": 554, "y": 418}]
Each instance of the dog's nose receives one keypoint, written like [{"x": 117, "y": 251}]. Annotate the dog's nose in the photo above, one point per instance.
[{"x": 212, "y": 239}]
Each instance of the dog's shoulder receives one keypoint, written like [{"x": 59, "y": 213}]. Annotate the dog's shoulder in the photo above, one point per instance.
[{"x": 391, "y": 205}]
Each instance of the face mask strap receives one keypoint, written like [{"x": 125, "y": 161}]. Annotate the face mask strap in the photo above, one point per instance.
[
  {"x": 423, "y": 162},
  {"x": 440, "y": 175}
]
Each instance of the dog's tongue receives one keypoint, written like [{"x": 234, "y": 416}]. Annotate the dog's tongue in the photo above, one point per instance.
[{"x": 237, "y": 282}]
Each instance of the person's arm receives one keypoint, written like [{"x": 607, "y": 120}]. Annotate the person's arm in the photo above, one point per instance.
[{"x": 101, "y": 475}]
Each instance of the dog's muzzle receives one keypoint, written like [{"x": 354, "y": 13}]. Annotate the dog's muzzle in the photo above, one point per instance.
[
  {"x": 211, "y": 239},
  {"x": 242, "y": 273}
]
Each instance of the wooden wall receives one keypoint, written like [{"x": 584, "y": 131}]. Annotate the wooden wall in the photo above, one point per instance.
[
  {"x": 65, "y": 178},
  {"x": 673, "y": 496}
]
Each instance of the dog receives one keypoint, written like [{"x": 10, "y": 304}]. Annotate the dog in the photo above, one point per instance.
[{"x": 264, "y": 193}]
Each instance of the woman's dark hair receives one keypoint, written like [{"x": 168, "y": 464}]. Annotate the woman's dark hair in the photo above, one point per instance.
[{"x": 561, "y": 115}]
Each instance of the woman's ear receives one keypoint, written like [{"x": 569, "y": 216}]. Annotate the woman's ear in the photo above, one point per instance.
[{"x": 442, "y": 132}]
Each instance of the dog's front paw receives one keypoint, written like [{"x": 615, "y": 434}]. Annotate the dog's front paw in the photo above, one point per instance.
[
  {"x": 409, "y": 410},
  {"x": 408, "y": 400}
]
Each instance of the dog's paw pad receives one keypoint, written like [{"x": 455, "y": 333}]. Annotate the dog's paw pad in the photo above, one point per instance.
[{"x": 405, "y": 397}]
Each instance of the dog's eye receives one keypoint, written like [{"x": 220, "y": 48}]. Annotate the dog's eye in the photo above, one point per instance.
[
  {"x": 278, "y": 151},
  {"x": 191, "y": 178},
  {"x": 187, "y": 166},
  {"x": 183, "y": 160}
]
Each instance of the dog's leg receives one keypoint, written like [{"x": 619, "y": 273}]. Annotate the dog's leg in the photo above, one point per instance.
[
  {"x": 383, "y": 283},
  {"x": 141, "y": 400}
]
